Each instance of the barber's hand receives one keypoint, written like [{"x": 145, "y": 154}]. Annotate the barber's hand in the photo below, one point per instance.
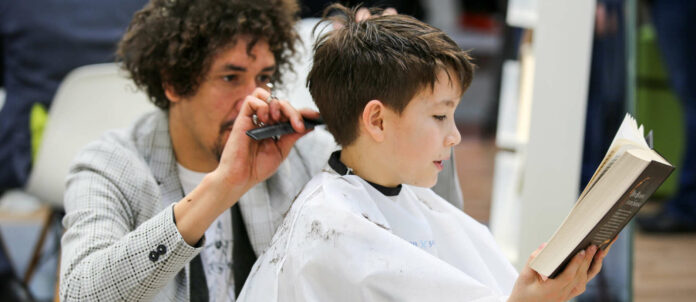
[
  {"x": 531, "y": 286},
  {"x": 246, "y": 162},
  {"x": 363, "y": 14}
]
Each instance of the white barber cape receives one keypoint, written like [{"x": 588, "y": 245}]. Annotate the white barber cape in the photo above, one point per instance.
[{"x": 343, "y": 240}]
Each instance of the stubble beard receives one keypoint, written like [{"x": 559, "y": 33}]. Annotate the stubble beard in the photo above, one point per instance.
[
  {"x": 218, "y": 148},
  {"x": 220, "y": 143}
]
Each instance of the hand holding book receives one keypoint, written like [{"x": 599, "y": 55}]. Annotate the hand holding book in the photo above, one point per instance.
[
  {"x": 531, "y": 286},
  {"x": 627, "y": 176}
]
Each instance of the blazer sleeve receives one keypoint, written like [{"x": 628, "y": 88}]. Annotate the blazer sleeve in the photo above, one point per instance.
[{"x": 106, "y": 253}]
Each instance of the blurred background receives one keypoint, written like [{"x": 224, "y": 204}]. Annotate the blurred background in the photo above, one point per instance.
[{"x": 553, "y": 82}]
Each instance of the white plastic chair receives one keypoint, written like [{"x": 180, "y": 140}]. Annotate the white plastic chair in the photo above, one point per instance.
[{"x": 90, "y": 100}]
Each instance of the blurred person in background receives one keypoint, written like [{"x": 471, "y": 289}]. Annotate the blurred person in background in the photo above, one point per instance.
[
  {"x": 676, "y": 37},
  {"x": 606, "y": 107},
  {"x": 40, "y": 42}
]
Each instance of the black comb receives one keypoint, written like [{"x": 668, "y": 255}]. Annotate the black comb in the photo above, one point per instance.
[{"x": 279, "y": 129}]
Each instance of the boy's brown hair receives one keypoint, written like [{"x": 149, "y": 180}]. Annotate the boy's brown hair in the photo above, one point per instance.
[{"x": 388, "y": 58}]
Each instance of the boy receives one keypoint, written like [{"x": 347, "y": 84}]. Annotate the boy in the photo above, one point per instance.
[{"x": 363, "y": 229}]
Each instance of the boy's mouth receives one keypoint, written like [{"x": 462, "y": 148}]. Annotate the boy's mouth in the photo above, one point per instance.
[{"x": 438, "y": 164}]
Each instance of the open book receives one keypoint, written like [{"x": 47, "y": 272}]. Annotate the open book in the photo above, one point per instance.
[{"x": 629, "y": 173}]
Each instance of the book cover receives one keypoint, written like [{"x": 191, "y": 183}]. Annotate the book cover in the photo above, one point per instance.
[
  {"x": 623, "y": 210},
  {"x": 627, "y": 176}
]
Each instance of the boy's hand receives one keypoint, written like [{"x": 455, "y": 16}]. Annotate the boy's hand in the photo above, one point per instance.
[
  {"x": 597, "y": 262},
  {"x": 531, "y": 286}
]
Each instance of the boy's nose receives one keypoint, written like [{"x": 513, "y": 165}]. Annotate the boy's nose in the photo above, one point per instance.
[{"x": 453, "y": 138}]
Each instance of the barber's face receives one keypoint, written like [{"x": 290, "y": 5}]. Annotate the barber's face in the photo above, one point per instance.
[{"x": 201, "y": 123}]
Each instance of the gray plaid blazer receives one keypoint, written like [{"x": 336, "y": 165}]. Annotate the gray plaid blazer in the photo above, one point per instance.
[{"x": 120, "y": 241}]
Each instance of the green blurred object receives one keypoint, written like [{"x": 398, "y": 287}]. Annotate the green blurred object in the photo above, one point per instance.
[
  {"x": 658, "y": 108},
  {"x": 37, "y": 122}
]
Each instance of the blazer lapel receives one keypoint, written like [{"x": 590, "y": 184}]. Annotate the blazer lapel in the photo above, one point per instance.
[{"x": 159, "y": 154}]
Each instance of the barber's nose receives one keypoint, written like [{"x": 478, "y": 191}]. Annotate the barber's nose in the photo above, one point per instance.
[
  {"x": 249, "y": 87},
  {"x": 238, "y": 105}
]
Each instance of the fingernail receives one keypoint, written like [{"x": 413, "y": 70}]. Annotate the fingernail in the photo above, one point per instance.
[{"x": 582, "y": 253}]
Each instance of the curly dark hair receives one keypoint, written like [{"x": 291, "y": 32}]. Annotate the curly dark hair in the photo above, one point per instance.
[{"x": 173, "y": 42}]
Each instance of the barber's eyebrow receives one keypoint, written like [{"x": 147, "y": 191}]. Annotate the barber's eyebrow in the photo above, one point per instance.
[{"x": 232, "y": 67}]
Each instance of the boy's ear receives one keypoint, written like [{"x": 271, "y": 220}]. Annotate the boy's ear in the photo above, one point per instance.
[{"x": 373, "y": 120}]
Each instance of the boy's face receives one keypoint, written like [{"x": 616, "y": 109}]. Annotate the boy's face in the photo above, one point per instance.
[
  {"x": 201, "y": 123},
  {"x": 421, "y": 137}
]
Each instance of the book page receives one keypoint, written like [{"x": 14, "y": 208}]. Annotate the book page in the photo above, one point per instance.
[{"x": 629, "y": 136}]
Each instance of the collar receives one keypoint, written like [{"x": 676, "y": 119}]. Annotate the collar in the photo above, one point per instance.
[{"x": 340, "y": 168}]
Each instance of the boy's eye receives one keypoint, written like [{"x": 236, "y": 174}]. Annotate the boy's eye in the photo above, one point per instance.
[{"x": 440, "y": 117}]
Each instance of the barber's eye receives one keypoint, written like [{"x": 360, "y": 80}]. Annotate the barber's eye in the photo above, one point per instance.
[
  {"x": 263, "y": 79},
  {"x": 230, "y": 78},
  {"x": 440, "y": 117}
]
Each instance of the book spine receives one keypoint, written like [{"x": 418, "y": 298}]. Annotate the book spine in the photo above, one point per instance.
[{"x": 623, "y": 210}]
